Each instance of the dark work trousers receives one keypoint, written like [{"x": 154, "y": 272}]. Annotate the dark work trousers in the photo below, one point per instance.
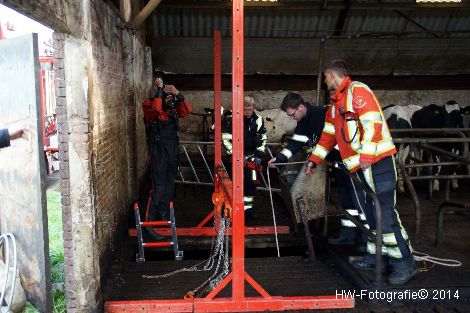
[
  {"x": 165, "y": 159},
  {"x": 381, "y": 178},
  {"x": 249, "y": 187},
  {"x": 345, "y": 194}
]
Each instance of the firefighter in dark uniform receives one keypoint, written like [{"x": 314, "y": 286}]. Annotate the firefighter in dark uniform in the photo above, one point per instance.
[
  {"x": 161, "y": 114},
  {"x": 254, "y": 149},
  {"x": 310, "y": 122}
]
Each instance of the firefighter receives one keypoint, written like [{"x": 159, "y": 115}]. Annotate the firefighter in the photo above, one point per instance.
[
  {"x": 355, "y": 123},
  {"x": 310, "y": 121},
  {"x": 12, "y": 133},
  {"x": 161, "y": 115},
  {"x": 254, "y": 149}
]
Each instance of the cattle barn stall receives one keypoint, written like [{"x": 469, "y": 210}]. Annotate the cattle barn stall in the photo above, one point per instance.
[{"x": 410, "y": 54}]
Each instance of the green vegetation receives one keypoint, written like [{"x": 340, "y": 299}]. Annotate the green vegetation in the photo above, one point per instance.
[{"x": 56, "y": 248}]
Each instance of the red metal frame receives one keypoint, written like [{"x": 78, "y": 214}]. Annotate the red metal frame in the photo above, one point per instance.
[
  {"x": 231, "y": 194},
  {"x": 200, "y": 230}
]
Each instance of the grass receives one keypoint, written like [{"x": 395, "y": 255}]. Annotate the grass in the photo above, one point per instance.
[{"x": 56, "y": 249}]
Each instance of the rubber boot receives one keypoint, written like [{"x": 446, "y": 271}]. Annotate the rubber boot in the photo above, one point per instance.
[
  {"x": 403, "y": 271},
  {"x": 347, "y": 236},
  {"x": 368, "y": 263},
  {"x": 361, "y": 241}
]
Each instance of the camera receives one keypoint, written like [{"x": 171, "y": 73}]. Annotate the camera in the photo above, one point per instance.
[{"x": 170, "y": 101}]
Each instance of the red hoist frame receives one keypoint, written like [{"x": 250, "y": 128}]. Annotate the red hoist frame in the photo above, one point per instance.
[{"x": 231, "y": 194}]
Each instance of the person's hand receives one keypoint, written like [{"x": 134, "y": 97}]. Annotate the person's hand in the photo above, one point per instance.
[
  {"x": 271, "y": 163},
  {"x": 365, "y": 165},
  {"x": 158, "y": 82},
  {"x": 16, "y": 132},
  {"x": 171, "y": 89},
  {"x": 311, "y": 168}
]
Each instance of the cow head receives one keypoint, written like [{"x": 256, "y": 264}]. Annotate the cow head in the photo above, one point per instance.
[{"x": 453, "y": 115}]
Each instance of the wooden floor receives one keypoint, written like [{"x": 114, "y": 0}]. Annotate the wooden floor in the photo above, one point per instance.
[
  {"x": 292, "y": 275},
  {"x": 286, "y": 276}
]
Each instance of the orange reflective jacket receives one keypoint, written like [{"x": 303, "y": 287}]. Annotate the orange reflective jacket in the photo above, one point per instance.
[{"x": 355, "y": 123}]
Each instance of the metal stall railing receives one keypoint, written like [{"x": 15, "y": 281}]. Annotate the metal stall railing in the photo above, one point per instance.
[
  {"x": 194, "y": 166},
  {"x": 426, "y": 143}
]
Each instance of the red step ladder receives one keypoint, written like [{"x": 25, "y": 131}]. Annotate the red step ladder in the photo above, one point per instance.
[{"x": 140, "y": 256}]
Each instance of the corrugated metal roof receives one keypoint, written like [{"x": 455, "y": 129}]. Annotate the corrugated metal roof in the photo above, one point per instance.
[{"x": 283, "y": 23}]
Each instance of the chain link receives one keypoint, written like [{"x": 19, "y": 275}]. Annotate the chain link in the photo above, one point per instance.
[{"x": 217, "y": 249}]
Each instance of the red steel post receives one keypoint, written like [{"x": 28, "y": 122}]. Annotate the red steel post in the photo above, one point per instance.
[
  {"x": 217, "y": 101},
  {"x": 238, "y": 247}
]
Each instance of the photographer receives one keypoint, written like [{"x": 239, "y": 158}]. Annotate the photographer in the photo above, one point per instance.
[{"x": 161, "y": 114}]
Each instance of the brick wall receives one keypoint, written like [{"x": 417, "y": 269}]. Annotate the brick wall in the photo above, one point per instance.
[{"x": 99, "y": 81}]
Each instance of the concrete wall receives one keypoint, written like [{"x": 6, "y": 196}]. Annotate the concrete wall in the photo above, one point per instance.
[
  {"x": 268, "y": 102},
  {"x": 103, "y": 73}
]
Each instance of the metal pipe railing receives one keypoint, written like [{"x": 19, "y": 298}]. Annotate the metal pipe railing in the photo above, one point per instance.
[{"x": 378, "y": 223}]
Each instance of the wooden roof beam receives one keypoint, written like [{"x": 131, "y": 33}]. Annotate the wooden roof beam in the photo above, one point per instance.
[
  {"x": 318, "y": 5},
  {"x": 146, "y": 11}
]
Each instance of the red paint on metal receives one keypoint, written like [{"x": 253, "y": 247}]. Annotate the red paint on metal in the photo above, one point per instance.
[
  {"x": 206, "y": 219},
  {"x": 156, "y": 223},
  {"x": 217, "y": 100},
  {"x": 228, "y": 305},
  {"x": 257, "y": 286},
  {"x": 157, "y": 244},
  {"x": 238, "y": 216},
  {"x": 219, "y": 287},
  {"x": 209, "y": 231}
]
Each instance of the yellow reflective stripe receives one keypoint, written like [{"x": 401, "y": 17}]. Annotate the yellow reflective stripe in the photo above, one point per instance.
[
  {"x": 320, "y": 152},
  {"x": 369, "y": 147},
  {"x": 248, "y": 207},
  {"x": 371, "y": 116},
  {"x": 371, "y": 248},
  {"x": 226, "y": 136},
  {"x": 228, "y": 146},
  {"x": 394, "y": 252},
  {"x": 353, "y": 212},
  {"x": 287, "y": 153},
  {"x": 329, "y": 128},
  {"x": 259, "y": 122},
  {"x": 362, "y": 216},
  {"x": 353, "y": 128},
  {"x": 351, "y": 162},
  {"x": 300, "y": 138},
  {"x": 369, "y": 178},
  {"x": 347, "y": 223},
  {"x": 248, "y": 199},
  {"x": 389, "y": 239},
  {"x": 385, "y": 145}
]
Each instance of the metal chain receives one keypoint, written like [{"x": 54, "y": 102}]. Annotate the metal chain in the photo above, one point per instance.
[
  {"x": 215, "y": 279},
  {"x": 215, "y": 282},
  {"x": 209, "y": 262}
]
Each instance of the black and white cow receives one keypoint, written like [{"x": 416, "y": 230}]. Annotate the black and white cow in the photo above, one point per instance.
[
  {"x": 440, "y": 116},
  {"x": 465, "y": 112},
  {"x": 397, "y": 118}
]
